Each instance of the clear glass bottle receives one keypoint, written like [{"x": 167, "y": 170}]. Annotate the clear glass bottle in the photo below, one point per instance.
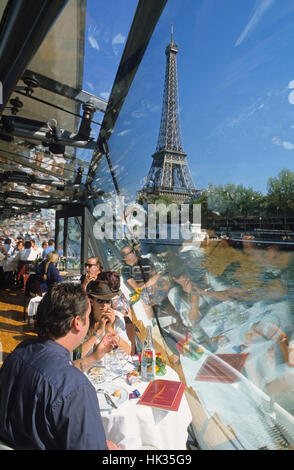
[{"x": 148, "y": 358}]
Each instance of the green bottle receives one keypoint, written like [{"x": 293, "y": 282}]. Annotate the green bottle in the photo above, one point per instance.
[{"x": 77, "y": 353}]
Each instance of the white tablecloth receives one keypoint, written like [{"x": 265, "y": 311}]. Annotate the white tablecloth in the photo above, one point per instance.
[
  {"x": 142, "y": 427},
  {"x": 9, "y": 264},
  {"x": 34, "y": 302},
  {"x": 138, "y": 307}
]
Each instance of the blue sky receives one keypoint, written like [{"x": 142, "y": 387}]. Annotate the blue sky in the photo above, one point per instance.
[{"x": 236, "y": 87}]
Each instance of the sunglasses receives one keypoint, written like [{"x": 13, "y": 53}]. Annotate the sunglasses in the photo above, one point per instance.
[
  {"x": 87, "y": 265},
  {"x": 100, "y": 301},
  {"x": 124, "y": 255}
]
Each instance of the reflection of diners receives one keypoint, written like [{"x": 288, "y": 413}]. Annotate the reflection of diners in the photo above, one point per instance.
[
  {"x": 190, "y": 299},
  {"x": 140, "y": 273},
  {"x": 27, "y": 254},
  {"x": 137, "y": 272}
]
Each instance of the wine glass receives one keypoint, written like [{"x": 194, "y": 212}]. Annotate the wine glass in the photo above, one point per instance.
[
  {"x": 108, "y": 366},
  {"x": 122, "y": 358}
]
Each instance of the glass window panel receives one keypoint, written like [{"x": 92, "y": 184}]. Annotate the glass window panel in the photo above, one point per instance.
[
  {"x": 225, "y": 296},
  {"x": 60, "y": 237},
  {"x": 73, "y": 257}
]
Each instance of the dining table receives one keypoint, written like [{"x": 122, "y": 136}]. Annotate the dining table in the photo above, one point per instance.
[
  {"x": 134, "y": 426},
  {"x": 240, "y": 401}
]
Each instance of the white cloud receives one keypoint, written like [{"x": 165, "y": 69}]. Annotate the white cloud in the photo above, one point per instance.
[
  {"x": 104, "y": 95},
  {"x": 93, "y": 42},
  {"x": 125, "y": 132},
  {"x": 288, "y": 145},
  {"x": 145, "y": 109},
  {"x": 258, "y": 13},
  {"x": 90, "y": 85},
  {"x": 291, "y": 95},
  {"x": 283, "y": 143},
  {"x": 92, "y": 32},
  {"x": 117, "y": 41}
]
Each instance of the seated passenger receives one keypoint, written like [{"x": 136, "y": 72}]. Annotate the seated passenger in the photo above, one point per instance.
[
  {"x": 3, "y": 252},
  {"x": 55, "y": 407},
  {"x": 49, "y": 248},
  {"x": 93, "y": 268},
  {"x": 47, "y": 272},
  {"x": 193, "y": 299},
  {"x": 137, "y": 272},
  {"x": 19, "y": 247},
  {"x": 104, "y": 319},
  {"x": 27, "y": 254},
  {"x": 43, "y": 246},
  {"x": 37, "y": 250},
  {"x": 140, "y": 275},
  {"x": 8, "y": 246},
  {"x": 119, "y": 302}
]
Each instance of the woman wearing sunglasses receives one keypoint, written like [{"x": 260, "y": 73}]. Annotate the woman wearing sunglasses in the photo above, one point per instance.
[{"x": 104, "y": 319}]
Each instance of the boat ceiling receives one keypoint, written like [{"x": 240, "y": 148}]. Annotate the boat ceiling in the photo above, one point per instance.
[{"x": 53, "y": 133}]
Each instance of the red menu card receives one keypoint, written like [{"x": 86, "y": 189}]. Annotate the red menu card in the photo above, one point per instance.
[
  {"x": 222, "y": 368},
  {"x": 165, "y": 394}
]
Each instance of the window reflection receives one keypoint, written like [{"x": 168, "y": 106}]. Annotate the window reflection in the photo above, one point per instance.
[
  {"x": 60, "y": 237},
  {"x": 225, "y": 312},
  {"x": 74, "y": 243}
]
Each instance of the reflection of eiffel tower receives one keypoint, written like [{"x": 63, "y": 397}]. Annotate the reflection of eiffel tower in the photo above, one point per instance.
[{"x": 169, "y": 173}]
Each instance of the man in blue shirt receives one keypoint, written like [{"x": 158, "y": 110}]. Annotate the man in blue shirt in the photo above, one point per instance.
[
  {"x": 46, "y": 402},
  {"x": 49, "y": 248}
]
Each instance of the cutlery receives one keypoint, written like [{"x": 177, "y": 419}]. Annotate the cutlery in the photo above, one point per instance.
[{"x": 108, "y": 397}]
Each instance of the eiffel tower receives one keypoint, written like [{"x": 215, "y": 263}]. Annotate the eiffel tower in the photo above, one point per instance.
[{"x": 169, "y": 173}]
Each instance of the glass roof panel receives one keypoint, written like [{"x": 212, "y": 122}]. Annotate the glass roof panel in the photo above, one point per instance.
[{"x": 75, "y": 64}]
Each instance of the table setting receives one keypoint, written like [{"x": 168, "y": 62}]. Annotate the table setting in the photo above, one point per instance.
[
  {"x": 218, "y": 380},
  {"x": 133, "y": 426}
]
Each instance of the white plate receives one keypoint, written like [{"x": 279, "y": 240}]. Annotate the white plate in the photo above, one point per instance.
[
  {"x": 96, "y": 375},
  {"x": 110, "y": 388}
]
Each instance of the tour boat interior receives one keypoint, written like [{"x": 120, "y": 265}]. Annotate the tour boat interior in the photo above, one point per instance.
[{"x": 81, "y": 85}]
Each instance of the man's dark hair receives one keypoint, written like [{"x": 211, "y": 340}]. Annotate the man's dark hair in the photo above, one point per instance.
[
  {"x": 58, "y": 307},
  {"x": 28, "y": 244},
  {"x": 51, "y": 242}
]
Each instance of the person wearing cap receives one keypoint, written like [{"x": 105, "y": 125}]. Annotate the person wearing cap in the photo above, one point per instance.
[{"x": 104, "y": 319}]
